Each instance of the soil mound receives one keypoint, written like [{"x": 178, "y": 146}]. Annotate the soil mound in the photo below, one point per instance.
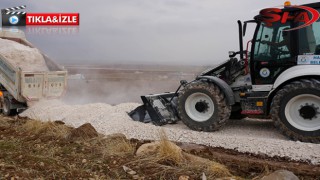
[{"x": 86, "y": 131}]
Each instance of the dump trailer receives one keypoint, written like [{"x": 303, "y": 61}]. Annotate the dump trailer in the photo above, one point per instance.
[
  {"x": 21, "y": 88},
  {"x": 277, "y": 77}
]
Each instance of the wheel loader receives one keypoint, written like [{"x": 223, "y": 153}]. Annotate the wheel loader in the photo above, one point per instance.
[{"x": 277, "y": 77}]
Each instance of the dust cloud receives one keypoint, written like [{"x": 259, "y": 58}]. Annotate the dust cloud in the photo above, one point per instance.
[{"x": 121, "y": 86}]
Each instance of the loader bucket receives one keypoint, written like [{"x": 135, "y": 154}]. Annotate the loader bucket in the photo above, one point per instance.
[{"x": 159, "y": 109}]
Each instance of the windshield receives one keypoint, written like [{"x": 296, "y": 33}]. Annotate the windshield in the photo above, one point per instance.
[
  {"x": 309, "y": 39},
  {"x": 273, "y": 43}
]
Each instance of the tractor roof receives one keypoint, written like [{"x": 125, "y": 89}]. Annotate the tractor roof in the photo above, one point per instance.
[
  {"x": 290, "y": 9},
  {"x": 313, "y": 5}
]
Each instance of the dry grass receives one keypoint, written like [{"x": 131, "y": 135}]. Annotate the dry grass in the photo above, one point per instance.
[
  {"x": 37, "y": 150},
  {"x": 168, "y": 150},
  {"x": 116, "y": 147},
  {"x": 266, "y": 171},
  {"x": 217, "y": 170},
  {"x": 46, "y": 128},
  {"x": 210, "y": 168},
  {"x": 172, "y": 160},
  {"x": 4, "y": 123},
  {"x": 169, "y": 159}
]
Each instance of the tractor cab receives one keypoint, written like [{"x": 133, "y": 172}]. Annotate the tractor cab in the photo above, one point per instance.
[{"x": 276, "y": 48}]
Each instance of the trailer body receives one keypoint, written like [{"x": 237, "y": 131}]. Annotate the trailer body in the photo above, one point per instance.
[{"x": 20, "y": 88}]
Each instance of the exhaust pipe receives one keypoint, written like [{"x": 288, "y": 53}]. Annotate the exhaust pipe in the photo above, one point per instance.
[{"x": 240, "y": 39}]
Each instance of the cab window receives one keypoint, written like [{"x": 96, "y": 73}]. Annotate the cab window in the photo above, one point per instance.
[
  {"x": 273, "y": 43},
  {"x": 309, "y": 39}
]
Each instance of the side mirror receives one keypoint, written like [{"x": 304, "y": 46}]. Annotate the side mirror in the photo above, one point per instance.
[{"x": 232, "y": 54}]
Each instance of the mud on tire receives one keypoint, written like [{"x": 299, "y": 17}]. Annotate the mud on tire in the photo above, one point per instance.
[
  {"x": 296, "y": 110},
  {"x": 212, "y": 111}
]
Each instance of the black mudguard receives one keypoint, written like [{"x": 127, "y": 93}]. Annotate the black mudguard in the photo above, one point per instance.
[{"x": 222, "y": 85}]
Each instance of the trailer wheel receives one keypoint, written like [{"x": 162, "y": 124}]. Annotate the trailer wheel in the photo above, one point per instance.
[
  {"x": 296, "y": 110},
  {"x": 6, "y": 108},
  {"x": 202, "y": 106}
]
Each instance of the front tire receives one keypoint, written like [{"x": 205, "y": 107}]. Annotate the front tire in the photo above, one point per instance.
[
  {"x": 202, "y": 106},
  {"x": 296, "y": 110}
]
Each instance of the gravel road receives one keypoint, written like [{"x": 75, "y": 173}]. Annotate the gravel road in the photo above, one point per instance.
[{"x": 250, "y": 136}]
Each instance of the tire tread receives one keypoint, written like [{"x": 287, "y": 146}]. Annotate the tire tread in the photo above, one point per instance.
[
  {"x": 275, "y": 109},
  {"x": 224, "y": 110}
]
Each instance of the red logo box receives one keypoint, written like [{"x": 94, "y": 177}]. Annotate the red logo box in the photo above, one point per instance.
[{"x": 47, "y": 19}]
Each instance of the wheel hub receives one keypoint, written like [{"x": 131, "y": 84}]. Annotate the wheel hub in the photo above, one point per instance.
[
  {"x": 202, "y": 106},
  {"x": 308, "y": 111},
  {"x": 302, "y": 112},
  {"x": 199, "y": 107}
]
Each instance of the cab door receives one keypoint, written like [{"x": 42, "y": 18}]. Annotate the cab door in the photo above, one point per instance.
[{"x": 272, "y": 53}]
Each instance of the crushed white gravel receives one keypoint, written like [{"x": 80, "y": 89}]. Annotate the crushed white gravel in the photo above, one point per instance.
[
  {"x": 250, "y": 136},
  {"x": 25, "y": 57}
]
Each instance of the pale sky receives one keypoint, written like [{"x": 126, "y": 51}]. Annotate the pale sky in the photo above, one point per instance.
[{"x": 174, "y": 32}]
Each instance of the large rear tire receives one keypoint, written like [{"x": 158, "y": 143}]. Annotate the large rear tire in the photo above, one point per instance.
[
  {"x": 202, "y": 106},
  {"x": 296, "y": 110}
]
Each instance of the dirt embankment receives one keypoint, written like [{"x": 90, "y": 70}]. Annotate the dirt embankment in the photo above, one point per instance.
[
  {"x": 33, "y": 149},
  {"x": 252, "y": 136}
]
